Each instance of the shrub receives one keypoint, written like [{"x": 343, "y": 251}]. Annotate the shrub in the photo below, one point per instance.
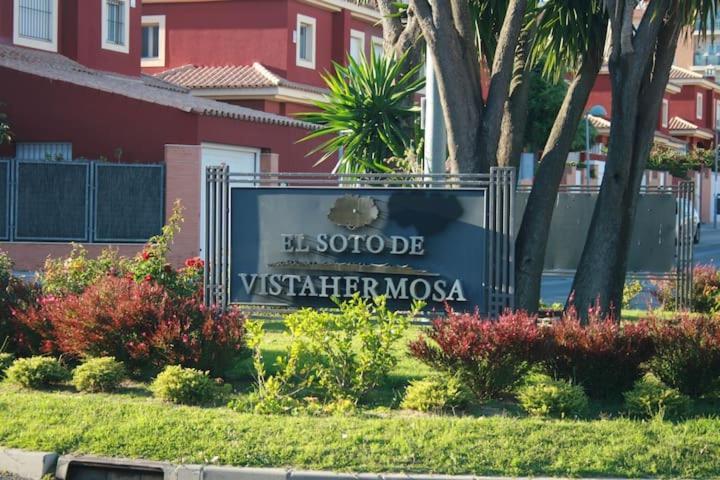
[
  {"x": 603, "y": 356},
  {"x": 15, "y": 295},
  {"x": 545, "y": 397},
  {"x": 687, "y": 353},
  {"x": 705, "y": 293},
  {"x": 651, "y": 398},
  {"x": 37, "y": 372},
  {"x": 436, "y": 394},
  {"x": 102, "y": 374},
  {"x": 488, "y": 356},
  {"x": 74, "y": 273},
  {"x": 187, "y": 386},
  {"x": 630, "y": 291},
  {"x": 6, "y": 359},
  {"x": 139, "y": 324}
]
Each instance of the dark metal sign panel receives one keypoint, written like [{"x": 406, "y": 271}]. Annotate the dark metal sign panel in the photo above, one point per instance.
[
  {"x": 302, "y": 246},
  {"x": 652, "y": 247}
]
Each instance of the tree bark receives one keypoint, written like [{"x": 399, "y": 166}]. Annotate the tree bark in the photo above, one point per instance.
[
  {"x": 500, "y": 79},
  {"x": 531, "y": 243},
  {"x": 600, "y": 276},
  {"x": 514, "y": 122}
]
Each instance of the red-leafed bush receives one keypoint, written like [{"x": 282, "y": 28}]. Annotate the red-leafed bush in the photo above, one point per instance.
[
  {"x": 138, "y": 323},
  {"x": 15, "y": 295},
  {"x": 603, "y": 355},
  {"x": 490, "y": 356},
  {"x": 687, "y": 353},
  {"x": 705, "y": 290}
]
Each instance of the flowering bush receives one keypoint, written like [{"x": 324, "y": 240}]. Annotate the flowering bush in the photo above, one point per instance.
[
  {"x": 74, "y": 273},
  {"x": 603, "y": 356},
  {"x": 488, "y": 356},
  {"x": 705, "y": 290},
  {"x": 140, "y": 324},
  {"x": 687, "y": 353}
]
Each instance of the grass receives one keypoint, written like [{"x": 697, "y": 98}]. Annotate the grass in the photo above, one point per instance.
[{"x": 128, "y": 425}]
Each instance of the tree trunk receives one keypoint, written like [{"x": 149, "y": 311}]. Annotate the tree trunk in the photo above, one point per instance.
[
  {"x": 514, "y": 122},
  {"x": 500, "y": 79},
  {"x": 532, "y": 239},
  {"x": 600, "y": 275}
]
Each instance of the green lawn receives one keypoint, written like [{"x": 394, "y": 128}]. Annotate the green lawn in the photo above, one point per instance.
[{"x": 129, "y": 425}]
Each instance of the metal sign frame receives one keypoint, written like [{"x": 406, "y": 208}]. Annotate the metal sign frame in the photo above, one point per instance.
[{"x": 499, "y": 186}]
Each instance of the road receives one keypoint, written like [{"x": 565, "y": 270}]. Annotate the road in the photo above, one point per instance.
[{"x": 556, "y": 289}]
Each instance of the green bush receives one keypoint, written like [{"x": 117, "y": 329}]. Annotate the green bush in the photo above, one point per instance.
[
  {"x": 102, "y": 374},
  {"x": 187, "y": 386},
  {"x": 74, "y": 273},
  {"x": 545, "y": 397},
  {"x": 436, "y": 393},
  {"x": 651, "y": 398},
  {"x": 37, "y": 372},
  {"x": 6, "y": 359}
]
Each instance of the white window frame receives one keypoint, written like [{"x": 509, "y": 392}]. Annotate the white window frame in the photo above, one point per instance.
[
  {"x": 665, "y": 112},
  {"x": 312, "y": 23},
  {"x": 151, "y": 21},
  {"x": 699, "y": 100},
  {"x": 115, "y": 47},
  {"x": 377, "y": 41},
  {"x": 358, "y": 35},
  {"x": 51, "y": 46}
]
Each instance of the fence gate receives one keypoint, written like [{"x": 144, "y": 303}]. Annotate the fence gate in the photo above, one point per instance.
[{"x": 280, "y": 241}]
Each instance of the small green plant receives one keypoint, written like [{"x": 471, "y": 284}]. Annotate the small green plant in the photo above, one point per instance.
[
  {"x": 37, "y": 372},
  {"x": 187, "y": 386},
  {"x": 436, "y": 393},
  {"x": 6, "y": 359},
  {"x": 102, "y": 374},
  {"x": 542, "y": 396},
  {"x": 630, "y": 291},
  {"x": 651, "y": 398}
]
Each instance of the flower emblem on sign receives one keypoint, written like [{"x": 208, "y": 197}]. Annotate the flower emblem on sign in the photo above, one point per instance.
[{"x": 353, "y": 211}]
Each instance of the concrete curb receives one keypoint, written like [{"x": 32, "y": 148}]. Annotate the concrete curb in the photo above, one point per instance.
[
  {"x": 34, "y": 465},
  {"x": 29, "y": 465}
]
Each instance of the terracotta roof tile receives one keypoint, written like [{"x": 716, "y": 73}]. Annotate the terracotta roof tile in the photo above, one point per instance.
[
  {"x": 144, "y": 88},
  {"x": 230, "y": 76},
  {"x": 679, "y": 73}
]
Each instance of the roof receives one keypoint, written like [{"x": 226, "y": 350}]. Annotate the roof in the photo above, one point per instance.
[
  {"x": 679, "y": 73},
  {"x": 677, "y": 123},
  {"x": 599, "y": 122},
  {"x": 231, "y": 76},
  {"x": 143, "y": 88}
]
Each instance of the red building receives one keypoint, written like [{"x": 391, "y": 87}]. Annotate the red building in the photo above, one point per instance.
[
  {"x": 264, "y": 54},
  {"x": 72, "y": 83}
]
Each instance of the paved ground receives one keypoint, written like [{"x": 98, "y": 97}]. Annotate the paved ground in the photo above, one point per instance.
[{"x": 556, "y": 289}]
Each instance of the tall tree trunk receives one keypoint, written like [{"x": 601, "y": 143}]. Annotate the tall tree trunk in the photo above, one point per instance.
[
  {"x": 500, "y": 80},
  {"x": 514, "y": 122},
  {"x": 600, "y": 275},
  {"x": 531, "y": 243}
]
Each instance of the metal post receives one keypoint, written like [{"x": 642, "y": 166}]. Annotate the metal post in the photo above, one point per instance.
[
  {"x": 713, "y": 190},
  {"x": 587, "y": 149},
  {"x": 435, "y": 135}
]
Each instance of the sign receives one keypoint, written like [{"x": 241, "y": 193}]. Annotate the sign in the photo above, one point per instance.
[{"x": 303, "y": 246}]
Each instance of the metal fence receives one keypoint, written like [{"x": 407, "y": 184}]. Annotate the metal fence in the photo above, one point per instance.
[
  {"x": 84, "y": 201},
  {"x": 498, "y": 186}
]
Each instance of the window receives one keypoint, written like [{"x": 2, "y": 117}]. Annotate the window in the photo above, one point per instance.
[
  {"x": 357, "y": 44},
  {"x": 717, "y": 114},
  {"x": 665, "y": 112},
  {"x": 305, "y": 40},
  {"x": 153, "y": 41},
  {"x": 35, "y": 24},
  {"x": 378, "y": 47},
  {"x": 699, "y": 105},
  {"x": 116, "y": 25}
]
